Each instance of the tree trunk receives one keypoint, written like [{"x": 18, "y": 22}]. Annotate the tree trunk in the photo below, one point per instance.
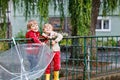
[
  {"x": 9, "y": 30},
  {"x": 94, "y": 15},
  {"x": 74, "y": 28}
]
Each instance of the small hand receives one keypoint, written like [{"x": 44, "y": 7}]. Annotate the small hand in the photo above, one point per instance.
[
  {"x": 43, "y": 43},
  {"x": 54, "y": 42}
]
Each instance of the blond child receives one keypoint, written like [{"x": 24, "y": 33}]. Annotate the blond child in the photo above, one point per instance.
[{"x": 56, "y": 37}]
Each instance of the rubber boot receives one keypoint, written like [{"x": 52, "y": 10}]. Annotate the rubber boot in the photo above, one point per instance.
[
  {"x": 47, "y": 76},
  {"x": 56, "y": 75}
]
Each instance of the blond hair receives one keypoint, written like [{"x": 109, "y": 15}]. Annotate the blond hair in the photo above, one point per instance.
[
  {"x": 47, "y": 25},
  {"x": 31, "y": 23}
]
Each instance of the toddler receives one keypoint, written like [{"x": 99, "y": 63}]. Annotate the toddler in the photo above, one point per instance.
[{"x": 56, "y": 37}]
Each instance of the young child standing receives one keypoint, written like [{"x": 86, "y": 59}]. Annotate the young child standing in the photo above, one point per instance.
[
  {"x": 34, "y": 34},
  {"x": 49, "y": 33}
]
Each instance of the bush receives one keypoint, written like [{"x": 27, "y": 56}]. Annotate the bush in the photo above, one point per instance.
[
  {"x": 3, "y": 46},
  {"x": 20, "y": 34}
]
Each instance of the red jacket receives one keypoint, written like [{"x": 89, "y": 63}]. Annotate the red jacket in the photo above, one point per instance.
[
  {"x": 35, "y": 39},
  {"x": 34, "y": 36}
]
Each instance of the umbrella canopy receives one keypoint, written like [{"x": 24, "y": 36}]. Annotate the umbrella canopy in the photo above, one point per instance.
[{"x": 25, "y": 61}]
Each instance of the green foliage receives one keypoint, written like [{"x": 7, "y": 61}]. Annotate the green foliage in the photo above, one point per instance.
[
  {"x": 80, "y": 11},
  {"x": 109, "y": 42},
  {"x": 3, "y": 46},
  {"x": 43, "y": 8},
  {"x": 66, "y": 42},
  {"x": 3, "y": 30},
  {"x": 3, "y": 9},
  {"x": 109, "y": 6},
  {"x": 100, "y": 43},
  {"x": 28, "y": 7},
  {"x": 20, "y": 34}
]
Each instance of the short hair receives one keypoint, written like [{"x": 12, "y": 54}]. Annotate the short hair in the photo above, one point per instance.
[
  {"x": 31, "y": 23},
  {"x": 47, "y": 25}
]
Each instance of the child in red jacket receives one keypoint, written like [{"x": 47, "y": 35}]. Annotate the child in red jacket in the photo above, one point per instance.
[{"x": 34, "y": 34}]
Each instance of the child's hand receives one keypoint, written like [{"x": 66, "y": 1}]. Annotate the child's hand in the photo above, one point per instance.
[
  {"x": 43, "y": 43},
  {"x": 53, "y": 42}
]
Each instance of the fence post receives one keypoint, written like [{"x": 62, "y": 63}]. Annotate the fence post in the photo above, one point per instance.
[
  {"x": 88, "y": 63},
  {"x": 85, "y": 62}
]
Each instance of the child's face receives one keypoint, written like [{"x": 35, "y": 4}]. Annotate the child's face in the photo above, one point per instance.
[
  {"x": 35, "y": 27},
  {"x": 48, "y": 29}
]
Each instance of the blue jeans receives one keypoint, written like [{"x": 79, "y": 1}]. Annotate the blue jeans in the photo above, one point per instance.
[{"x": 33, "y": 60}]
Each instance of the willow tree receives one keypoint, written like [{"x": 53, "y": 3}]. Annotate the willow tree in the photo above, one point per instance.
[
  {"x": 80, "y": 14},
  {"x": 107, "y": 7},
  {"x": 3, "y": 17},
  {"x": 83, "y": 13}
]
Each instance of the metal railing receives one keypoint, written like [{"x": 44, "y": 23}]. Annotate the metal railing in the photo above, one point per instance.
[{"x": 85, "y": 57}]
